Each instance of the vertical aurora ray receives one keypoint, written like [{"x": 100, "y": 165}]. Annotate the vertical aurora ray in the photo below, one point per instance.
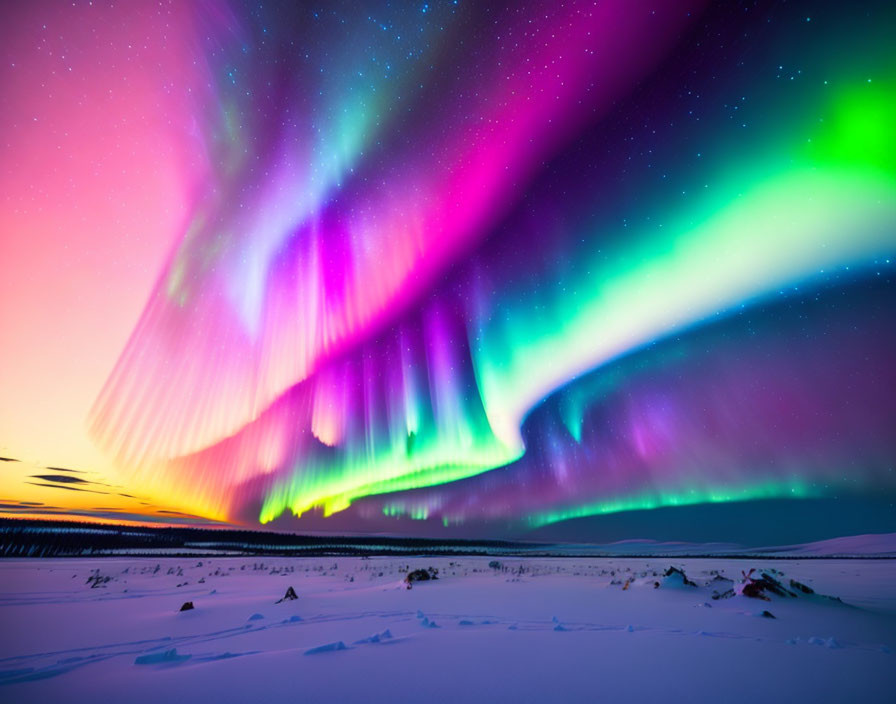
[
  {"x": 368, "y": 239},
  {"x": 419, "y": 295}
]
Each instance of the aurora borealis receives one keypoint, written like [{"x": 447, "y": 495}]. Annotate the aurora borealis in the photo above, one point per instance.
[{"x": 515, "y": 263}]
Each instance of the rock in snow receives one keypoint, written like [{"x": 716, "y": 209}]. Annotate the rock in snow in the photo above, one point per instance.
[
  {"x": 421, "y": 575},
  {"x": 674, "y": 577},
  {"x": 758, "y": 588},
  {"x": 289, "y": 596},
  {"x": 801, "y": 587}
]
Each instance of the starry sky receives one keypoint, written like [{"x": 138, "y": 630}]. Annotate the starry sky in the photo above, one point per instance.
[{"x": 573, "y": 270}]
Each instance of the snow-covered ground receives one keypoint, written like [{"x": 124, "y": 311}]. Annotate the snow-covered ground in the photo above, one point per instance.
[{"x": 529, "y": 630}]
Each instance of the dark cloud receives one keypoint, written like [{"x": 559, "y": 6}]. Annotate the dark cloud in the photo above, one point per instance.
[
  {"x": 190, "y": 516},
  {"x": 60, "y": 478},
  {"x": 23, "y": 506},
  {"x": 66, "y": 488}
]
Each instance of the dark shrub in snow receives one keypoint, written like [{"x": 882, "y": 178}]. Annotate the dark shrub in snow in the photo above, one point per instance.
[
  {"x": 421, "y": 575},
  {"x": 97, "y": 580}
]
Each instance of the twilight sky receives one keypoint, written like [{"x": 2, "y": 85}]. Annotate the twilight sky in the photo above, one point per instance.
[{"x": 572, "y": 269}]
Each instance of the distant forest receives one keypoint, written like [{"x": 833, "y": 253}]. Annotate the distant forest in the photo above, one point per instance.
[{"x": 27, "y": 538}]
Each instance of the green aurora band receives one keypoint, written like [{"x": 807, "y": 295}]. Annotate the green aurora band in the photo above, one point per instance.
[{"x": 775, "y": 224}]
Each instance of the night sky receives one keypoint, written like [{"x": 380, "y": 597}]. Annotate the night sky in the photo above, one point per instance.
[{"x": 565, "y": 270}]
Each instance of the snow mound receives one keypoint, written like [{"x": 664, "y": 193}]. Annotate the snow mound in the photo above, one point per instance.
[
  {"x": 375, "y": 638},
  {"x": 161, "y": 658},
  {"x": 871, "y": 544},
  {"x": 424, "y": 620},
  {"x": 328, "y": 648}
]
